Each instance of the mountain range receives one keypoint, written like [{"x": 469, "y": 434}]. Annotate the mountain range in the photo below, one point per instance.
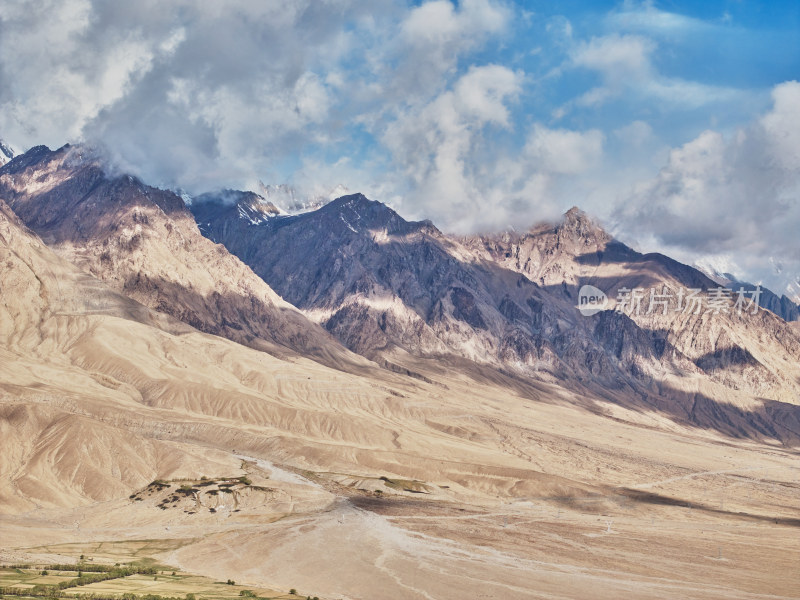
[
  {"x": 388, "y": 368},
  {"x": 399, "y": 292}
]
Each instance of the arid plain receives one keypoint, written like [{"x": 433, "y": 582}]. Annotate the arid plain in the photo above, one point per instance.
[{"x": 511, "y": 496}]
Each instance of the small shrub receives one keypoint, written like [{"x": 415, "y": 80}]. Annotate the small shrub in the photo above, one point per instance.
[
  {"x": 45, "y": 573},
  {"x": 293, "y": 592},
  {"x": 230, "y": 582}
]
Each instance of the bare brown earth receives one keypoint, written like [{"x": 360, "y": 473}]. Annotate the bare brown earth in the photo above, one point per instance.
[{"x": 492, "y": 488}]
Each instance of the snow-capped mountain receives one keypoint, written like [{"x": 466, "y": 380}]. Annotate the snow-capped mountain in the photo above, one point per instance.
[
  {"x": 789, "y": 278},
  {"x": 6, "y": 153},
  {"x": 290, "y": 200},
  {"x": 248, "y": 206},
  {"x": 787, "y": 307}
]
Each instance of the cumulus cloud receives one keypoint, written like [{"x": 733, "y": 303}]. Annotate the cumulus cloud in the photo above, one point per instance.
[
  {"x": 734, "y": 196},
  {"x": 58, "y": 74},
  {"x": 457, "y": 179},
  {"x": 434, "y": 143},
  {"x": 182, "y": 93},
  {"x": 435, "y": 34},
  {"x": 212, "y": 94},
  {"x": 563, "y": 151}
]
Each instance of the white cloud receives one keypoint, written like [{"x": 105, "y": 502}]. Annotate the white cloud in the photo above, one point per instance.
[
  {"x": 734, "y": 195},
  {"x": 617, "y": 57},
  {"x": 465, "y": 185},
  {"x": 636, "y": 134},
  {"x": 433, "y": 36},
  {"x": 435, "y": 144},
  {"x": 624, "y": 62},
  {"x": 563, "y": 151},
  {"x": 781, "y": 127},
  {"x": 482, "y": 92},
  {"x": 644, "y": 17},
  {"x": 223, "y": 94},
  {"x": 58, "y": 72},
  {"x": 438, "y": 24}
]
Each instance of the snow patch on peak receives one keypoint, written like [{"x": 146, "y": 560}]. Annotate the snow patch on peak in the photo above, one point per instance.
[
  {"x": 183, "y": 195},
  {"x": 719, "y": 268},
  {"x": 349, "y": 226},
  {"x": 6, "y": 153},
  {"x": 294, "y": 202},
  {"x": 257, "y": 210}
]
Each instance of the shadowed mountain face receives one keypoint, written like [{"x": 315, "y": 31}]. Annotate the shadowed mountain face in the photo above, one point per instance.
[
  {"x": 392, "y": 289},
  {"x": 499, "y": 308},
  {"x": 780, "y": 305},
  {"x": 566, "y": 256},
  {"x": 382, "y": 284},
  {"x": 145, "y": 243}
]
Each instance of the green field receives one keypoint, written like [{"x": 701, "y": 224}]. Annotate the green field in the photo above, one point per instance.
[
  {"x": 166, "y": 582},
  {"x": 27, "y": 578}
]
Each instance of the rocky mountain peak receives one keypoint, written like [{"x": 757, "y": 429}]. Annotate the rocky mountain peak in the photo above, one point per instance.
[
  {"x": 249, "y": 206},
  {"x": 357, "y": 203},
  {"x": 22, "y": 161},
  {"x": 577, "y": 223},
  {"x": 144, "y": 243},
  {"x": 359, "y": 214},
  {"x": 575, "y": 214}
]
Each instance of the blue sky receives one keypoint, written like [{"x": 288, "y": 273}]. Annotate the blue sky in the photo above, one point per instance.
[
  {"x": 744, "y": 46},
  {"x": 675, "y": 123}
]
